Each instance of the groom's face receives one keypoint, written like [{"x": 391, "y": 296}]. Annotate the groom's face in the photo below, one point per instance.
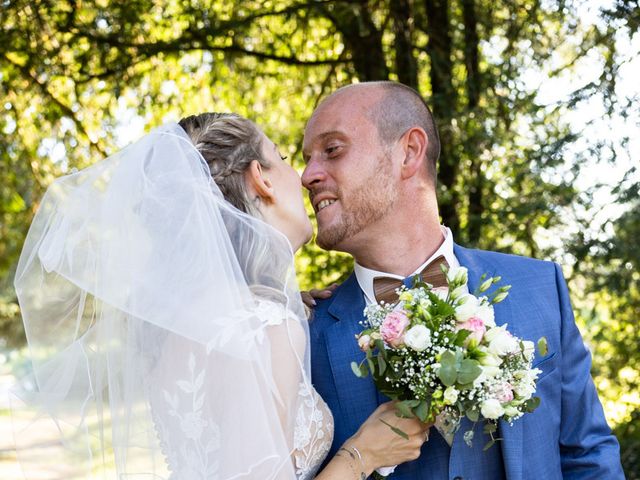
[{"x": 348, "y": 174}]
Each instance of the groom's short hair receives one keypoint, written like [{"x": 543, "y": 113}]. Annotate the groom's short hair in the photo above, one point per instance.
[{"x": 400, "y": 109}]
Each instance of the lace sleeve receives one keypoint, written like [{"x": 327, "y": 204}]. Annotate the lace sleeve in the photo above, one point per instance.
[{"x": 302, "y": 412}]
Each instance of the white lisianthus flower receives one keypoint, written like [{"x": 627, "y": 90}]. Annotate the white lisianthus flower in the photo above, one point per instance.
[
  {"x": 491, "y": 372},
  {"x": 486, "y": 313},
  {"x": 418, "y": 338},
  {"x": 457, "y": 275},
  {"x": 450, "y": 395},
  {"x": 466, "y": 308},
  {"x": 490, "y": 359},
  {"x": 491, "y": 409},
  {"x": 459, "y": 291},
  {"x": 480, "y": 379},
  {"x": 529, "y": 349},
  {"x": 500, "y": 341}
]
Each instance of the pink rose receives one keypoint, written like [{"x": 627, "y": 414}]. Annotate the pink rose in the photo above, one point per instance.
[
  {"x": 393, "y": 328},
  {"x": 503, "y": 392},
  {"x": 475, "y": 325}
]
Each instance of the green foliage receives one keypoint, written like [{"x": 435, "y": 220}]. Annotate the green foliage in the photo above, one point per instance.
[{"x": 80, "y": 79}]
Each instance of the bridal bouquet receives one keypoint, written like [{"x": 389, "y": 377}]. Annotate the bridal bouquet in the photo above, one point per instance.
[{"x": 440, "y": 355}]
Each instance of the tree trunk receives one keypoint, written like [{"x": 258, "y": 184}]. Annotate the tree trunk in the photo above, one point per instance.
[
  {"x": 361, "y": 38},
  {"x": 444, "y": 103},
  {"x": 472, "y": 145},
  {"x": 406, "y": 66}
]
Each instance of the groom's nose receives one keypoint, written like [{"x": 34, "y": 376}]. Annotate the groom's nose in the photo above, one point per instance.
[{"x": 313, "y": 174}]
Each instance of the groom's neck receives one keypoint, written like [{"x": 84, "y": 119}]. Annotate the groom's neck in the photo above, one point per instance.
[{"x": 400, "y": 245}]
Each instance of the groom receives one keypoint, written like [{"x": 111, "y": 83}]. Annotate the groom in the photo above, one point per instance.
[{"x": 371, "y": 151}]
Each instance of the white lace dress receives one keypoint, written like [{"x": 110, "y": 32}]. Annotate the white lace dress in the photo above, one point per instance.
[
  {"x": 188, "y": 424},
  {"x": 311, "y": 445}
]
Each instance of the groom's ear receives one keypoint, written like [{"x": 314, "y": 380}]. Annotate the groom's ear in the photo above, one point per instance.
[
  {"x": 258, "y": 184},
  {"x": 414, "y": 143}
]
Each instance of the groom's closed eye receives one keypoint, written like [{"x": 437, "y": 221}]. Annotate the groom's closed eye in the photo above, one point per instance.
[{"x": 332, "y": 150}]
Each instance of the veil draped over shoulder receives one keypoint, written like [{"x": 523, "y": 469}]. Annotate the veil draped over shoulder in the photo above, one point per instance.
[{"x": 165, "y": 327}]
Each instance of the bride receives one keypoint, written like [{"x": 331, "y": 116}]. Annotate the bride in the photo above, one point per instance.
[{"x": 166, "y": 330}]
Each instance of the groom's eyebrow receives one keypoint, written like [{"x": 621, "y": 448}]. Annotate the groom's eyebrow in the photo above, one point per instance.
[{"x": 320, "y": 137}]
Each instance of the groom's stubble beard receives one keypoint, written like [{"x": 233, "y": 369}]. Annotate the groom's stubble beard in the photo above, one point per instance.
[{"x": 367, "y": 203}]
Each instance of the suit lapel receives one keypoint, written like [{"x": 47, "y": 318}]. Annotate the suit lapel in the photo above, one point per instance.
[
  {"x": 511, "y": 446},
  {"x": 357, "y": 396}
]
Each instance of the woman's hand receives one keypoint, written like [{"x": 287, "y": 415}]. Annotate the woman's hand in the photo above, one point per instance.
[
  {"x": 309, "y": 298},
  {"x": 380, "y": 446}
]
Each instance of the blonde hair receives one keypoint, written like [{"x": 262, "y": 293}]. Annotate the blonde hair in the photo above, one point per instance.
[{"x": 228, "y": 143}]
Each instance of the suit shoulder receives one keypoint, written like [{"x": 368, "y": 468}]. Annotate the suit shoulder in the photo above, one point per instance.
[{"x": 508, "y": 262}]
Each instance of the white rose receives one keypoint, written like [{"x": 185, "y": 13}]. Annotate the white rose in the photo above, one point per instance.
[
  {"x": 450, "y": 395},
  {"x": 418, "y": 338},
  {"x": 491, "y": 409},
  {"x": 466, "y": 308},
  {"x": 524, "y": 390},
  {"x": 486, "y": 314},
  {"x": 458, "y": 275},
  {"x": 500, "y": 341}
]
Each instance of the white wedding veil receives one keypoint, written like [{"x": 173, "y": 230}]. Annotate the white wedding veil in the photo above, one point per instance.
[{"x": 165, "y": 327}]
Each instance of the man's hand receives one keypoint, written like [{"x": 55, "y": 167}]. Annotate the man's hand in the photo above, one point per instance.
[{"x": 309, "y": 298}]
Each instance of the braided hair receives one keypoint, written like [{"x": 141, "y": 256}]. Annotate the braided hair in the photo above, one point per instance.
[{"x": 228, "y": 143}]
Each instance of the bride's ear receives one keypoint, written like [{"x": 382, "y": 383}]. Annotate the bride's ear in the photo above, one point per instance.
[{"x": 258, "y": 183}]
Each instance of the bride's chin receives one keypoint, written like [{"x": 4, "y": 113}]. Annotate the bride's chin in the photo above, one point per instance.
[{"x": 306, "y": 234}]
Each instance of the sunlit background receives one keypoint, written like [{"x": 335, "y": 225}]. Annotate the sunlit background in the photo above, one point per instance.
[{"x": 537, "y": 104}]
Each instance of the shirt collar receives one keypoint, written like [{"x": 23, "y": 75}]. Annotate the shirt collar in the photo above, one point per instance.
[{"x": 365, "y": 276}]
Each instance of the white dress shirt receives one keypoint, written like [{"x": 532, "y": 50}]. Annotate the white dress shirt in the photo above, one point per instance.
[{"x": 365, "y": 276}]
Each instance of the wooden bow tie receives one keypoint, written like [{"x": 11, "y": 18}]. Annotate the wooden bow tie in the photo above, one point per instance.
[{"x": 384, "y": 288}]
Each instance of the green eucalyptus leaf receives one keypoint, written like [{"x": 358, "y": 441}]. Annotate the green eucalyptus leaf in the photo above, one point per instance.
[
  {"x": 382, "y": 364},
  {"x": 469, "y": 371},
  {"x": 422, "y": 410},
  {"x": 447, "y": 372},
  {"x": 531, "y": 404},
  {"x": 490, "y": 428},
  {"x": 404, "y": 410},
  {"x": 473, "y": 415}
]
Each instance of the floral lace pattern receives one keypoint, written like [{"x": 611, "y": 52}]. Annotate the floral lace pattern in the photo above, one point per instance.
[
  {"x": 191, "y": 459},
  {"x": 313, "y": 432}
]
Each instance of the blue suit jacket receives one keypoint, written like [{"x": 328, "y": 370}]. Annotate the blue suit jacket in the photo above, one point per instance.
[{"x": 566, "y": 437}]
